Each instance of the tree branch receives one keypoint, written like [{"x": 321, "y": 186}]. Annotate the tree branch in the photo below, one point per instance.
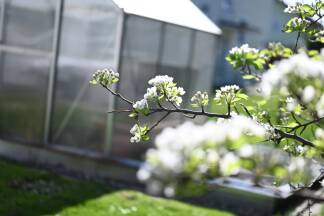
[
  {"x": 306, "y": 124},
  {"x": 295, "y": 137}
]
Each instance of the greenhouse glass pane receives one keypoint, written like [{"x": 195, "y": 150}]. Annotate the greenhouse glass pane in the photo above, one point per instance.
[
  {"x": 203, "y": 64},
  {"x": 23, "y": 88},
  {"x": 139, "y": 63},
  {"x": 176, "y": 55},
  {"x": 87, "y": 43},
  {"x": 29, "y": 24}
]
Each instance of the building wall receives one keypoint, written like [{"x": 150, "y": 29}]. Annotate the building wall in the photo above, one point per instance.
[{"x": 256, "y": 22}]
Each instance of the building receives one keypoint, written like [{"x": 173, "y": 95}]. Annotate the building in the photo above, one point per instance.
[
  {"x": 49, "y": 114},
  {"x": 250, "y": 21}
]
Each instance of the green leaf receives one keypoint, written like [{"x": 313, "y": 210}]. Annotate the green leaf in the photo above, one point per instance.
[
  {"x": 248, "y": 77},
  {"x": 242, "y": 96},
  {"x": 308, "y": 10},
  {"x": 145, "y": 138},
  {"x": 133, "y": 115},
  {"x": 93, "y": 82}
]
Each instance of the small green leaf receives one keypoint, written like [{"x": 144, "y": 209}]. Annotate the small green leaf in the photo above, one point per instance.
[
  {"x": 133, "y": 115},
  {"x": 248, "y": 77},
  {"x": 93, "y": 82}
]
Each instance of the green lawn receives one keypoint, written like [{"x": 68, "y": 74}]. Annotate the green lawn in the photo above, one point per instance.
[{"x": 31, "y": 192}]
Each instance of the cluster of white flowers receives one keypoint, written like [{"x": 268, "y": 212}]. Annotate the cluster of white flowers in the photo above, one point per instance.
[
  {"x": 164, "y": 86},
  {"x": 291, "y": 104},
  {"x": 105, "y": 77},
  {"x": 151, "y": 93},
  {"x": 302, "y": 171},
  {"x": 227, "y": 92},
  {"x": 308, "y": 94},
  {"x": 243, "y": 49},
  {"x": 293, "y": 9},
  {"x": 305, "y": 73},
  {"x": 264, "y": 156},
  {"x": 174, "y": 94},
  {"x": 270, "y": 132},
  {"x": 319, "y": 34},
  {"x": 140, "y": 105},
  {"x": 139, "y": 133},
  {"x": 299, "y": 66},
  {"x": 297, "y": 21},
  {"x": 136, "y": 132},
  {"x": 196, "y": 150},
  {"x": 161, "y": 80},
  {"x": 200, "y": 99}
]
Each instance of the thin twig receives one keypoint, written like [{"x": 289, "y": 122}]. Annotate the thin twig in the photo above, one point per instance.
[
  {"x": 158, "y": 122},
  {"x": 306, "y": 124},
  {"x": 298, "y": 36},
  {"x": 118, "y": 95},
  {"x": 246, "y": 110},
  {"x": 119, "y": 111}
]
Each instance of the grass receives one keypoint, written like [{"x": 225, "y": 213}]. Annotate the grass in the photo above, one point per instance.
[{"x": 31, "y": 192}]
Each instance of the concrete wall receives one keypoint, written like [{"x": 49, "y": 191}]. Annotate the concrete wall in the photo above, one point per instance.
[{"x": 61, "y": 161}]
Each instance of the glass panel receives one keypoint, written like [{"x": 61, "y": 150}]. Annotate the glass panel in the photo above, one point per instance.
[
  {"x": 29, "y": 23},
  {"x": 23, "y": 88},
  {"x": 203, "y": 64},
  {"x": 176, "y": 56},
  {"x": 139, "y": 63},
  {"x": 87, "y": 43}
]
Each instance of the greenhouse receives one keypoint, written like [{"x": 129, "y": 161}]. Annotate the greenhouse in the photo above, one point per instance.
[{"x": 50, "y": 49}]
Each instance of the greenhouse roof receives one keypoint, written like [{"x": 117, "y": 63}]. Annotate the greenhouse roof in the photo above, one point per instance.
[{"x": 179, "y": 12}]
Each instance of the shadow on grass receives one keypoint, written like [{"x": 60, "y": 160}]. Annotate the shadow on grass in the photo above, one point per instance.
[{"x": 31, "y": 192}]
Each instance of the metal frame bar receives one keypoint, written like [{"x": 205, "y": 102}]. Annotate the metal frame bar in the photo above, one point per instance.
[
  {"x": 52, "y": 73},
  {"x": 2, "y": 18},
  {"x": 117, "y": 66}
]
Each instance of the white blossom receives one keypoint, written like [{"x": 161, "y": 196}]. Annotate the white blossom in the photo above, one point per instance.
[
  {"x": 297, "y": 21},
  {"x": 105, "y": 77},
  {"x": 308, "y": 94},
  {"x": 243, "y": 49},
  {"x": 319, "y": 34},
  {"x": 226, "y": 92},
  {"x": 293, "y": 9},
  {"x": 140, "y": 105},
  {"x": 137, "y": 134},
  {"x": 143, "y": 174},
  {"x": 151, "y": 93},
  {"x": 300, "y": 149},
  {"x": 159, "y": 80},
  {"x": 291, "y": 104},
  {"x": 169, "y": 191},
  {"x": 164, "y": 86},
  {"x": 229, "y": 164},
  {"x": 200, "y": 99}
]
